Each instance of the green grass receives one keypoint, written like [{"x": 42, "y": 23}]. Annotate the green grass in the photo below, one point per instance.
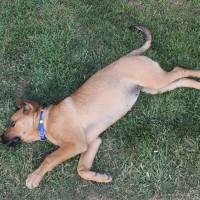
[{"x": 154, "y": 151}]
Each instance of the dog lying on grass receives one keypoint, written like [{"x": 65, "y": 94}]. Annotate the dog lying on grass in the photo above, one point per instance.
[{"x": 75, "y": 123}]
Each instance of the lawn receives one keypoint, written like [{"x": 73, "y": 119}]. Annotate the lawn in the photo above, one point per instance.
[{"x": 49, "y": 48}]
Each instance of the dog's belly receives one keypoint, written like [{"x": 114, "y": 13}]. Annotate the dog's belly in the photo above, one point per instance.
[{"x": 108, "y": 108}]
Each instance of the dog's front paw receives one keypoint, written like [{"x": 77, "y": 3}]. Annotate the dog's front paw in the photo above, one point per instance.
[{"x": 33, "y": 180}]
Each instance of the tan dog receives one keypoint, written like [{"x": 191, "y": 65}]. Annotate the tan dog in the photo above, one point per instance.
[{"x": 75, "y": 123}]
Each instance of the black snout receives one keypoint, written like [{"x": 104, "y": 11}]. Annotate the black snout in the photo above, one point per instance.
[{"x": 10, "y": 141}]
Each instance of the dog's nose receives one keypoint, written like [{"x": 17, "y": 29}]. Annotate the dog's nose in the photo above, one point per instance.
[
  {"x": 3, "y": 139},
  {"x": 10, "y": 142}
]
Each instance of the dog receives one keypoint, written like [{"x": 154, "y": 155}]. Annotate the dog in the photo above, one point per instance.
[{"x": 75, "y": 123}]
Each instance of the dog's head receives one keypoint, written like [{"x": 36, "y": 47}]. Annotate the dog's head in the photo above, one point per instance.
[{"x": 24, "y": 124}]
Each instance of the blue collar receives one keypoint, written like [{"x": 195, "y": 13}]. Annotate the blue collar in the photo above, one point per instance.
[{"x": 41, "y": 127}]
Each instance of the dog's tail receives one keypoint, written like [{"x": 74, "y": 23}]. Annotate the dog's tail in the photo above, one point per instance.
[{"x": 146, "y": 45}]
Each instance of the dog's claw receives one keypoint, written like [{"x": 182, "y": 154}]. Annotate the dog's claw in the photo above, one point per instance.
[{"x": 33, "y": 180}]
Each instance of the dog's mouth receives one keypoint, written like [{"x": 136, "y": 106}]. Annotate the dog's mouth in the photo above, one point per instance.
[{"x": 10, "y": 142}]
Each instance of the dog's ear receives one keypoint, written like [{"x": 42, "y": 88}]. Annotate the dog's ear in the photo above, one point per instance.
[{"x": 27, "y": 105}]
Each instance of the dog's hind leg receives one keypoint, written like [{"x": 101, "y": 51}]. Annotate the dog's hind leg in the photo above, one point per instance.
[
  {"x": 85, "y": 164},
  {"x": 183, "y": 82},
  {"x": 164, "y": 79}
]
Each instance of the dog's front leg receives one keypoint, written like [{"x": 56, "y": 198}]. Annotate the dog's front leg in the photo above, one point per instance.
[{"x": 51, "y": 161}]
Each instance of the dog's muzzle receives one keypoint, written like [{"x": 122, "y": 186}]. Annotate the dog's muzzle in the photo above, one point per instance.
[{"x": 10, "y": 141}]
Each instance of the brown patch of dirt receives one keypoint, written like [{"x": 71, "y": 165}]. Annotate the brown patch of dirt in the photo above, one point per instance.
[
  {"x": 135, "y": 2},
  {"x": 21, "y": 87},
  {"x": 177, "y": 2},
  {"x": 195, "y": 11}
]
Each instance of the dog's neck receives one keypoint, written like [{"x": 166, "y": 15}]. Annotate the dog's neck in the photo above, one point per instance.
[
  {"x": 46, "y": 112},
  {"x": 44, "y": 119},
  {"x": 41, "y": 129}
]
